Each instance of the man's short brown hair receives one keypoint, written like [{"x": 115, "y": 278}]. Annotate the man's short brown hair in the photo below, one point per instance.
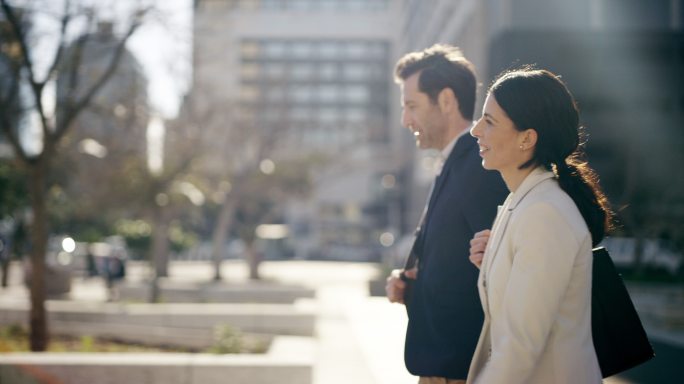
[{"x": 441, "y": 66}]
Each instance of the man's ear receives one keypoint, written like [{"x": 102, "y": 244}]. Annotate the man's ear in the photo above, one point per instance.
[{"x": 447, "y": 100}]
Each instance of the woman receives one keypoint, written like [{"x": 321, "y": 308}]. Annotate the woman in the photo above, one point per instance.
[{"x": 535, "y": 272}]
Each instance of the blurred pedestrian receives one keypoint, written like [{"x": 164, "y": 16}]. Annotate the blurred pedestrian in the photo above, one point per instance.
[
  {"x": 536, "y": 265},
  {"x": 438, "y": 87}
]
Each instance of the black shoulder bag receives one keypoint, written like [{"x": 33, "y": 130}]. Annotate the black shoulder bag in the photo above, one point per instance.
[{"x": 619, "y": 338}]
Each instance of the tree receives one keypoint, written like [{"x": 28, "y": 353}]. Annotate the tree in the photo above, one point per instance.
[
  {"x": 245, "y": 180},
  {"x": 28, "y": 89},
  {"x": 13, "y": 198}
]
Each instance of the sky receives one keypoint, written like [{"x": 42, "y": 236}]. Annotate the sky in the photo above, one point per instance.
[{"x": 163, "y": 46}]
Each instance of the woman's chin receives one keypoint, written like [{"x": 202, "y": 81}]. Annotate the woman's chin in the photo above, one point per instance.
[{"x": 487, "y": 166}]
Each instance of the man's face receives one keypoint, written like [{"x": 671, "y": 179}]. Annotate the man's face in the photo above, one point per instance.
[{"x": 423, "y": 117}]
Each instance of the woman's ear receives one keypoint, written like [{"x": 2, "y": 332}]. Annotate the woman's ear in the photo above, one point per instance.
[{"x": 529, "y": 139}]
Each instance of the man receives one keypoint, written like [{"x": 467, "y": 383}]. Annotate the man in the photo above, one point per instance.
[{"x": 445, "y": 317}]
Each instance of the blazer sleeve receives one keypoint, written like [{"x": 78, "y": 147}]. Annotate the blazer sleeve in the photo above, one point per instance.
[{"x": 544, "y": 250}]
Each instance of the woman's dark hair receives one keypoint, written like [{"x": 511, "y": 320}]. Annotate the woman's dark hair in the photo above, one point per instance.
[
  {"x": 441, "y": 66},
  {"x": 538, "y": 99}
]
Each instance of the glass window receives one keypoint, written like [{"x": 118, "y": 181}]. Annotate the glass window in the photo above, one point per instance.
[
  {"x": 275, "y": 49},
  {"x": 328, "y": 93},
  {"x": 272, "y": 4},
  {"x": 275, "y": 71},
  {"x": 301, "y": 94},
  {"x": 357, "y": 94},
  {"x": 377, "y": 50},
  {"x": 302, "y": 49},
  {"x": 275, "y": 94},
  {"x": 327, "y": 71},
  {"x": 269, "y": 114},
  {"x": 328, "y": 115},
  {"x": 356, "y": 50},
  {"x": 356, "y": 72},
  {"x": 301, "y": 5},
  {"x": 249, "y": 71},
  {"x": 249, "y": 4},
  {"x": 329, "y": 50},
  {"x": 300, "y": 113},
  {"x": 249, "y": 93},
  {"x": 356, "y": 115},
  {"x": 250, "y": 49},
  {"x": 302, "y": 71},
  {"x": 328, "y": 5}
]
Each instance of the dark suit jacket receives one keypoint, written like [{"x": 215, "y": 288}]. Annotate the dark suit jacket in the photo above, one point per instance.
[{"x": 445, "y": 315}]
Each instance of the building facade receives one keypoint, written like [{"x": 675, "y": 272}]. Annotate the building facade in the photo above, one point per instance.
[
  {"x": 624, "y": 62},
  {"x": 309, "y": 78}
]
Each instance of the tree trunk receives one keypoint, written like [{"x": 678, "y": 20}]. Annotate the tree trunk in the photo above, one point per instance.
[
  {"x": 5, "y": 271},
  {"x": 223, "y": 224},
  {"x": 253, "y": 260},
  {"x": 159, "y": 251},
  {"x": 39, "y": 235},
  {"x": 160, "y": 243}
]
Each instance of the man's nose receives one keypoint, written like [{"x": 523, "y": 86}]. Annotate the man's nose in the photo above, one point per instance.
[{"x": 405, "y": 119}]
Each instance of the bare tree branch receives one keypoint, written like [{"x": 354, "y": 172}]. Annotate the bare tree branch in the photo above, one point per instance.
[
  {"x": 65, "y": 19},
  {"x": 20, "y": 35},
  {"x": 73, "y": 109},
  {"x": 7, "y": 130}
]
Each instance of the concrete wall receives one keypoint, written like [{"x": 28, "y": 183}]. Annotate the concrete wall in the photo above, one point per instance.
[
  {"x": 190, "y": 319},
  {"x": 288, "y": 361}
]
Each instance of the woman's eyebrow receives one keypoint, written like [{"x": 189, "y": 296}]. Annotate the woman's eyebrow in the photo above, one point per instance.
[{"x": 489, "y": 116}]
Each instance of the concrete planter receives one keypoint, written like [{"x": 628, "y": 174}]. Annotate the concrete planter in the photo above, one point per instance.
[{"x": 289, "y": 360}]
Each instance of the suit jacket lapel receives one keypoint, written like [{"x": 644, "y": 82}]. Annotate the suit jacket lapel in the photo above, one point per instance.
[{"x": 463, "y": 144}]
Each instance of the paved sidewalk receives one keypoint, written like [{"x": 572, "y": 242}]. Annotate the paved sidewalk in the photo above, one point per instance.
[{"x": 359, "y": 338}]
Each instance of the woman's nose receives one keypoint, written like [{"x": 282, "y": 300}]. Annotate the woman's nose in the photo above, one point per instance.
[{"x": 475, "y": 130}]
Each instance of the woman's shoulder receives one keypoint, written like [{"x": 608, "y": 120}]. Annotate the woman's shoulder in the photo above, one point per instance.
[{"x": 549, "y": 202}]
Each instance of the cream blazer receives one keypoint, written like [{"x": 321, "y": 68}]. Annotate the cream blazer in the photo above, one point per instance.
[{"x": 535, "y": 288}]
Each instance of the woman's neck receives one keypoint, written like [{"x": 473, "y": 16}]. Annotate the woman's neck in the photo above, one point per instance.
[{"x": 514, "y": 177}]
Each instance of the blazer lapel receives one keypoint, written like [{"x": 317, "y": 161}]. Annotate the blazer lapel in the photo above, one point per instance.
[{"x": 499, "y": 229}]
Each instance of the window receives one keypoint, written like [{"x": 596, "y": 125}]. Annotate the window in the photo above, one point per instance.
[
  {"x": 356, "y": 72},
  {"x": 250, "y": 71},
  {"x": 249, "y": 93},
  {"x": 275, "y": 71},
  {"x": 328, "y": 115},
  {"x": 275, "y": 49},
  {"x": 302, "y": 71},
  {"x": 301, "y": 94},
  {"x": 327, "y": 71},
  {"x": 302, "y": 50},
  {"x": 328, "y": 93},
  {"x": 357, "y": 94},
  {"x": 250, "y": 49},
  {"x": 329, "y": 50},
  {"x": 356, "y": 115}
]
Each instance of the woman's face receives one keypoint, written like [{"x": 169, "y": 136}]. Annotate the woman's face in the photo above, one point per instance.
[{"x": 502, "y": 147}]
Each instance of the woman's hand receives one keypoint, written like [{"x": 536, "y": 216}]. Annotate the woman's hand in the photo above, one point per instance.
[{"x": 477, "y": 247}]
